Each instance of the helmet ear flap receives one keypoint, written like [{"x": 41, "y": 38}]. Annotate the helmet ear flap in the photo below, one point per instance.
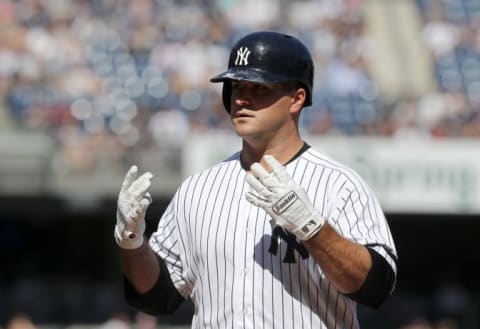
[{"x": 226, "y": 94}]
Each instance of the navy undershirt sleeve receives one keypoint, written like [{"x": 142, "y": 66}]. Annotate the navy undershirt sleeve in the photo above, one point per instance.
[
  {"x": 162, "y": 299},
  {"x": 379, "y": 283}
]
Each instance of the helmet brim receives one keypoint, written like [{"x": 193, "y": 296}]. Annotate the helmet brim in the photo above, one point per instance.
[{"x": 249, "y": 74}]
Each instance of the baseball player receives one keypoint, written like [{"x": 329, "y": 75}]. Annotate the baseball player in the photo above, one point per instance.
[{"x": 278, "y": 235}]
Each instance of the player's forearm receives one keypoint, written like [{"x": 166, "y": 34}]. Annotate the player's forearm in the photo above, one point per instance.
[
  {"x": 141, "y": 267},
  {"x": 345, "y": 263}
]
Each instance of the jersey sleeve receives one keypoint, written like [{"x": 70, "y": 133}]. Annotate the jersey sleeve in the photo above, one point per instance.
[
  {"x": 166, "y": 243},
  {"x": 356, "y": 213}
]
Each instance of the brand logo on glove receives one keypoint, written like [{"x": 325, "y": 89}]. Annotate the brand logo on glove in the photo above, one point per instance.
[
  {"x": 309, "y": 226},
  {"x": 286, "y": 201}
]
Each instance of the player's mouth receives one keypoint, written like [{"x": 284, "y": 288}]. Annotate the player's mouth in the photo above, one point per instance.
[{"x": 243, "y": 114}]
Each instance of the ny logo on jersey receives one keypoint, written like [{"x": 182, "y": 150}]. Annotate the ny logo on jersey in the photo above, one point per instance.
[
  {"x": 242, "y": 56},
  {"x": 292, "y": 245}
]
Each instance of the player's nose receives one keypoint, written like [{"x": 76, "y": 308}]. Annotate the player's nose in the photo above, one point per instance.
[{"x": 241, "y": 99}]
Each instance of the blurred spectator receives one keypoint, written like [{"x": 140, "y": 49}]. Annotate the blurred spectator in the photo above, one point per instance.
[
  {"x": 145, "y": 321},
  {"x": 20, "y": 321},
  {"x": 453, "y": 303},
  {"x": 118, "y": 320},
  {"x": 447, "y": 323},
  {"x": 169, "y": 127},
  {"x": 440, "y": 35},
  {"x": 418, "y": 323}
]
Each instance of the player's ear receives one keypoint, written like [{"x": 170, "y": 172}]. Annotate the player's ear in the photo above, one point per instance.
[{"x": 298, "y": 99}]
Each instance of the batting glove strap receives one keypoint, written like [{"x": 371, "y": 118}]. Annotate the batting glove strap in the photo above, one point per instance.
[
  {"x": 309, "y": 228},
  {"x": 285, "y": 201},
  {"x": 128, "y": 238}
]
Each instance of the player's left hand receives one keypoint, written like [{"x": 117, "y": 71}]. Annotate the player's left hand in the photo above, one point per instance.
[{"x": 283, "y": 199}]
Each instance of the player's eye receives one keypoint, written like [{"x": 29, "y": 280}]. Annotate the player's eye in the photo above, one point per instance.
[
  {"x": 260, "y": 87},
  {"x": 237, "y": 86},
  {"x": 254, "y": 88}
]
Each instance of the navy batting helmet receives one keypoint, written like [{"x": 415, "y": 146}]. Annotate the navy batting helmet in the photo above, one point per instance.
[{"x": 268, "y": 57}]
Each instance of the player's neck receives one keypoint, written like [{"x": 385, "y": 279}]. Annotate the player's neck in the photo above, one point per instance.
[{"x": 283, "y": 151}]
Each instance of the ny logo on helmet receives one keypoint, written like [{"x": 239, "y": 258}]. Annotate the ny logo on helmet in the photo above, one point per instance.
[{"x": 242, "y": 56}]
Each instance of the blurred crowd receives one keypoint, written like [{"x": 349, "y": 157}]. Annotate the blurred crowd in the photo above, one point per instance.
[
  {"x": 117, "y": 320},
  {"x": 103, "y": 76},
  {"x": 451, "y": 32},
  {"x": 449, "y": 306}
]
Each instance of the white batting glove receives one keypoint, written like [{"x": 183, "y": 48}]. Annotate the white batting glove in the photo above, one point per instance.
[
  {"x": 133, "y": 201},
  {"x": 283, "y": 199}
]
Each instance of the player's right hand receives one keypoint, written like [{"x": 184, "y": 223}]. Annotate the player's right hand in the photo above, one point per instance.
[
  {"x": 283, "y": 199},
  {"x": 133, "y": 201}
]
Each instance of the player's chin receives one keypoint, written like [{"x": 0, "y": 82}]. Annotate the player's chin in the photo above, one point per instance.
[{"x": 242, "y": 127}]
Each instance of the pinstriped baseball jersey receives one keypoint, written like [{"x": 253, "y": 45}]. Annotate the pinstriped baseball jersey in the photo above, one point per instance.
[{"x": 241, "y": 272}]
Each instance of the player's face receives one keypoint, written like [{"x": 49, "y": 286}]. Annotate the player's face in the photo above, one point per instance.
[{"x": 260, "y": 108}]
